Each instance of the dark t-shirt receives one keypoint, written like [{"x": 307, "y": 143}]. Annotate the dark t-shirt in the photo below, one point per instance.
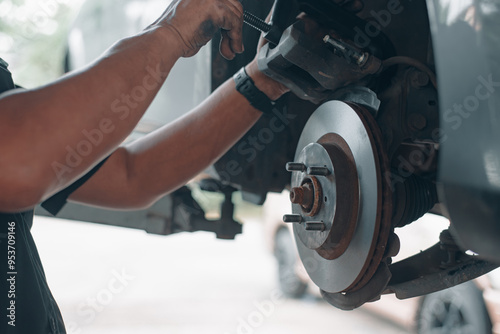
[{"x": 26, "y": 303}]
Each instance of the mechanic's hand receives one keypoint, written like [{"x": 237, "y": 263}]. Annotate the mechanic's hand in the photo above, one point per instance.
[{"x": 196, "y": 21}]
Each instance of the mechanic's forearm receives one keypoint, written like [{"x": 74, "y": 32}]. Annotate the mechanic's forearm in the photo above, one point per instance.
[
  {"x": 137, "y": 175},
  {"x": 169, "y": 158},
  {"x": 54, "y": 134}
]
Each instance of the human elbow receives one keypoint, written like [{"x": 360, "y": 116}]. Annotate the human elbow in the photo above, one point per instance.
[{"x": 21, "y": 190}]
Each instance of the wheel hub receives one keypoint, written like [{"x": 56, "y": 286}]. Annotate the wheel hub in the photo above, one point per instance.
[
  {"x": 328, "y": 196},
  {"x": 308, "y": 195}
]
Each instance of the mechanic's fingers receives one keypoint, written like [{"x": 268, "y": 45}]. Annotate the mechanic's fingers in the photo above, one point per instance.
[
  {"x": 236, "y": 7},
  {"x": 235, "y": 36},
  {"x": 232, "y": 37},
  {"x": 225, "y": 46}
]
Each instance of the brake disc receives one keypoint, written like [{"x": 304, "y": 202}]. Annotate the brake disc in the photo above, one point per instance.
[{"x": 340, "y": 201}]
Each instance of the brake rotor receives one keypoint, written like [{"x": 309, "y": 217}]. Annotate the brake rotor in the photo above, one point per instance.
[{"x": 340, "y": 201}]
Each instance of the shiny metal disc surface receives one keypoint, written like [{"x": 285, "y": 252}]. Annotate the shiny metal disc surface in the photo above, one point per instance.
[{"x": 345, "y": 271}]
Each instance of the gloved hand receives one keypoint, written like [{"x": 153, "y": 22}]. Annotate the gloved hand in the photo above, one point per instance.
[{"x": 196, "y": 21}]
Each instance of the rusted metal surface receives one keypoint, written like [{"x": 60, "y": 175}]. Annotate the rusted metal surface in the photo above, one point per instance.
[
  {"x": 302, "y": 195},
  {"x": 308, "y": 67},
  {"x": 308, "y": 195},
  {"x": 384, "y": 202},
  {"x": 410, "y": 120},
  {"x": 368, "y": 292},
  {"x": 431, "y": 270},
  {"x": 347, "y": 199}
]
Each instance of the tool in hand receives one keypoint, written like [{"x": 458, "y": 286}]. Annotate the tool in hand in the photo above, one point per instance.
[
  {"x": 283, "y": 11},
  {"x": 260, "y": 25}
]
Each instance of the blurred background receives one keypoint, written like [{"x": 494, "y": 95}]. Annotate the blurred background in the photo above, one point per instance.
[{"x": 33, "y": 37}]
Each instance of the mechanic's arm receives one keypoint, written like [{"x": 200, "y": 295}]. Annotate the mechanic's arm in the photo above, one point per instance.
[
  {"x": 137, "y": 175},
  {"x": 39, "y": 127}
]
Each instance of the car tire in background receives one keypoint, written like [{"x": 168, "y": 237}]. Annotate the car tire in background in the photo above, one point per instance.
[
  {"x": 460, "y": 309},
  {"x": 290, "y": 283}
]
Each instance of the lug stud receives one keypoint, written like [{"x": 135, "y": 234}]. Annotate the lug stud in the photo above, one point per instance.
[
  {"x": 295, "y": 167},
  {"x": 315, "y": 226},
  {"x": 318, "y": 171},
  {"x": 292, "y": 219}
]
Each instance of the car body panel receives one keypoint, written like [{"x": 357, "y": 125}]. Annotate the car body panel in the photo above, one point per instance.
[{"x": 466, "y": 43}]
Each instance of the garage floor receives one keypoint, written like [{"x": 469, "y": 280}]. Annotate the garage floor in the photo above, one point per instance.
[{"x": 111, "y": 280}]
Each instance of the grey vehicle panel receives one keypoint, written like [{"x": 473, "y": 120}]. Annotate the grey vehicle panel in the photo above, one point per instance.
[{"x": 466, "y": 38}]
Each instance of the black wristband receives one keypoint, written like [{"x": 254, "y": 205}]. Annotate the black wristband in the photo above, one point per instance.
[{"x": 247, "y": 88}]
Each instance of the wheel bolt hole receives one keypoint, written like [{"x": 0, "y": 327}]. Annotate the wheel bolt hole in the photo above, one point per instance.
[{"x": 326, "y": 199}]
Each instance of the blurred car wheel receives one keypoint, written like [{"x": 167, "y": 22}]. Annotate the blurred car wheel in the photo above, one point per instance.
[
  {"x": 460, "y": 309},
  {"x": 290, "y": 283}
]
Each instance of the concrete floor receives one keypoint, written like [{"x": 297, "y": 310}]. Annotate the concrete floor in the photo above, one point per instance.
[{"x": 111, "y": 280}]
